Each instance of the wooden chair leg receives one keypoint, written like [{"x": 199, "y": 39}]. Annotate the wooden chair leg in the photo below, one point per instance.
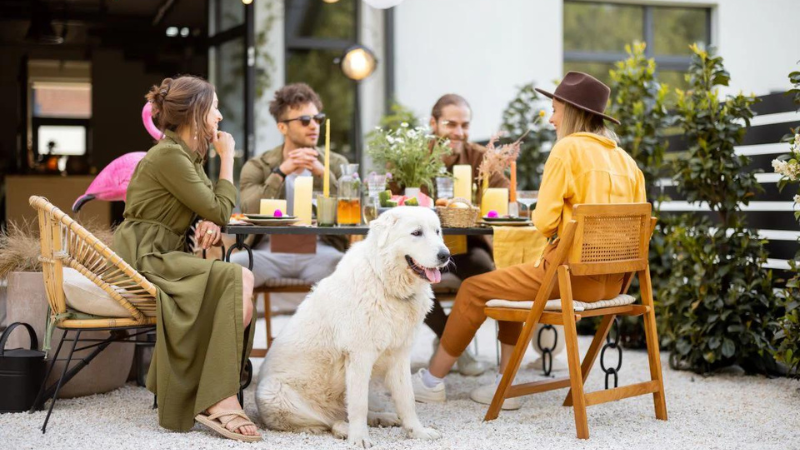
[
  {"x": 510, "y": 371},
  {"x": 268, "y": 318},
  {"x": 594, "y": 350},
  {"x": 573, "y": 355},
  {"x": 653, "y": 352}
]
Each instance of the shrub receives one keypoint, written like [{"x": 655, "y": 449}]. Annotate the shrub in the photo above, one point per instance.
[
  {"x": 788, "y": 337},
  {"x": 719, "y": 306}
]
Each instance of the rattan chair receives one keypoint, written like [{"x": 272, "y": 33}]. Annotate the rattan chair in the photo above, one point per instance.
[
  {"x": 65, "y": 242},
  {"x": 601, "y": 239}
]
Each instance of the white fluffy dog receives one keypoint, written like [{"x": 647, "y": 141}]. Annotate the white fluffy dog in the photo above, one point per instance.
[{"x": 359, "y": 321}]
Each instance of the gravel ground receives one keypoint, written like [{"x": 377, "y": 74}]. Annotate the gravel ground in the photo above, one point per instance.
[{"x": 726, "y": 411}]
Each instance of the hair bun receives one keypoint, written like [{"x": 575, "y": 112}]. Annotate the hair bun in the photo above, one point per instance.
[{"x": 158, "y": 94}]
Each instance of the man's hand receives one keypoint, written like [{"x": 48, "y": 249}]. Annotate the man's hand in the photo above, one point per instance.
[{"x": 301, "y": 158}]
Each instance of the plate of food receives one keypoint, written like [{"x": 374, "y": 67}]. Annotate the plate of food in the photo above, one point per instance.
[
  {"x": 272, "y": 221},
  {"x": 505, "y": 221}
]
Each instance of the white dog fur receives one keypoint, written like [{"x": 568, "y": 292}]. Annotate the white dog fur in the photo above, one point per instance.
[{"x": 358, "y": 322}]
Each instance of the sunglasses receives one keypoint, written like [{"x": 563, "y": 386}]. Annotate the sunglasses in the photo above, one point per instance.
[{"x": 305, "y": 120}]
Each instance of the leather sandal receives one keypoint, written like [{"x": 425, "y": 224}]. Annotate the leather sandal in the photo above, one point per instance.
[{"x": 218, "y": 423}]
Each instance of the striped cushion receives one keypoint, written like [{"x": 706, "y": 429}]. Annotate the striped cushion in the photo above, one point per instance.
[
  {"x": 555, "y": 305},
  {"x": 284, "y": 282}
]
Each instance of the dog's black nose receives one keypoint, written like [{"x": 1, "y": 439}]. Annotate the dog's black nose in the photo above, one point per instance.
[{"x": 443, "y": 256}]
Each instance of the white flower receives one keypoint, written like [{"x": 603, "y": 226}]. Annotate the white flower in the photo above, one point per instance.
[
  {"x": 404, "y": 124},
  {"x": 797, "y": 199},
  {"x": 789, "y": 169}
]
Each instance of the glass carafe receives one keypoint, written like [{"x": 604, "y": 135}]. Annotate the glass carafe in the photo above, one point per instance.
[{"x": 348, "y": 211}]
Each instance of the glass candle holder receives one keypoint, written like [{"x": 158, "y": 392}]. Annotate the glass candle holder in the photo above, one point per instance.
[{"x": 326, "y": 211}]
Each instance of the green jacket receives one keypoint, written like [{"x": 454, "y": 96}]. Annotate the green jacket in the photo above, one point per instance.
[{"x": 257, "y": 181}]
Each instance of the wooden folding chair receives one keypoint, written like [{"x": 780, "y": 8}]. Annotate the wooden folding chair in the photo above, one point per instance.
[{"x": 601, "y": 239}]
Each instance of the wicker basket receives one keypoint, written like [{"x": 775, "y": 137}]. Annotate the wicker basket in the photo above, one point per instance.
[{"x": 458, "y": 217}]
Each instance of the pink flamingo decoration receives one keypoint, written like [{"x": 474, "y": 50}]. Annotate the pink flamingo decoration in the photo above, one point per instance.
[{"x": 111, "y": 184}]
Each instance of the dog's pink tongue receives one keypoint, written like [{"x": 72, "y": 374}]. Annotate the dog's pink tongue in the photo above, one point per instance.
[{"x": 434, "y": 276}]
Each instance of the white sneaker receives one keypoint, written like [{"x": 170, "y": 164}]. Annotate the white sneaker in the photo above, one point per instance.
[
  {"x": 466, "y": 364},
  {"x": 485, "y": 394},
  {"x": 424, "y": 394},
  {"x": 469, "y": 366}
]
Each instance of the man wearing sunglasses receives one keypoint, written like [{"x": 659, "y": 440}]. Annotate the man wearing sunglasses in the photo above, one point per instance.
[{"x": 297, "y": 111}]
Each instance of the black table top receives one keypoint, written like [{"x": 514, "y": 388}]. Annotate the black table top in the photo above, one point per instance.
[{"x": 337, "y": 230}]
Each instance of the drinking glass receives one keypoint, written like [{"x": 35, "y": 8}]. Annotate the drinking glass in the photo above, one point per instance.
[
  {"x": 376, "y": 183},
  {"x": 444, "y": 187},
  {"x": 527, "y": 198},
  {"x": 326, "y": 211},
  {"x": 371, "y": 208}
]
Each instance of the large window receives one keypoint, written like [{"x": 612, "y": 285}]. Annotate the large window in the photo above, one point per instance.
[
  {"x": 595, "y": 35},
  {"x": 317, "y": 34}
]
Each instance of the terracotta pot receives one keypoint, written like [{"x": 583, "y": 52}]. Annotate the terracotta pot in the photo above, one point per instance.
[{"x": 27, "y": 302}]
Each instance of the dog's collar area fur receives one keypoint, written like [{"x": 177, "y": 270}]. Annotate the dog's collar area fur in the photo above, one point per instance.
[{"x": 431, "y": 275}]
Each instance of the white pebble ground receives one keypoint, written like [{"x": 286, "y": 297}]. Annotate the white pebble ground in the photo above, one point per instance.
[{"x": 724, "y": 411}]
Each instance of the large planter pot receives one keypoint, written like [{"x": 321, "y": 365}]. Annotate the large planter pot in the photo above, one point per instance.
[{"x": 27, "y": 302}]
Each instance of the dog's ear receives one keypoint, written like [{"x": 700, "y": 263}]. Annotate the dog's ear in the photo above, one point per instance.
[{"x": 381, "y": 227}]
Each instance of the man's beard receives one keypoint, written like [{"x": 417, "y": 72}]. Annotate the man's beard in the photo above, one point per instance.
[
  {"x": 303, "y": 142},
  {"x": 457, "y": 144}
]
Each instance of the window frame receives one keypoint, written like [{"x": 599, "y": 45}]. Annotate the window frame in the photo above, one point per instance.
[
  {"x": 294, "y": 43},
  {"x": 664, "y": 61}
]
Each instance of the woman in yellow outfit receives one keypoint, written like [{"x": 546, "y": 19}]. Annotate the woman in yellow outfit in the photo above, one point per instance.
[
  {"x": 584, "y": 166},
  {"x": 204, "y": 307}
]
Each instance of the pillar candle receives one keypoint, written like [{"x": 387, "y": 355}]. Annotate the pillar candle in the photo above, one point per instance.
[
  {"x": 462, "y": 183},
  {"x": 512, "y": 194},
  {"x": 326, "y": 178},
  {"x": 302, "y": 199},
  {"x": 495, "y": 199},
  {"x": 269, "y": 205}
]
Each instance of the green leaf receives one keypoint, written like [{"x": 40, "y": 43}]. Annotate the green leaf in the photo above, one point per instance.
[{"x": 728, "y": 348}]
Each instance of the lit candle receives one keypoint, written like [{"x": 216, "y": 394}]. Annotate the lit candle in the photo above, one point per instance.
[
  {"x": 326, "y": 177},
  {"x": 270, "y": 205},
  {"x": 495, "y": 199},
  {"x": 462, "y": 183},
  {"x": 512, "y": 194},
  {"x": 302, "y": 199}
]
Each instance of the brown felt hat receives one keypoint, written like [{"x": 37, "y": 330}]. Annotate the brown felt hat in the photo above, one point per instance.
[{"x": 584, "y": 92}]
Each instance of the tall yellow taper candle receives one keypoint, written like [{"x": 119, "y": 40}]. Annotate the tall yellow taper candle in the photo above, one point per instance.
[{"x": 326, "y": 178}]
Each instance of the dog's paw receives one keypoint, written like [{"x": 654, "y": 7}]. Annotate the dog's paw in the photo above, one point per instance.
[
  {"x": 359, "y": 439},
  {"x": 427, "y": 434},
  {"x": 383, "y": 419},
  {"x": 340, "y": 429}
]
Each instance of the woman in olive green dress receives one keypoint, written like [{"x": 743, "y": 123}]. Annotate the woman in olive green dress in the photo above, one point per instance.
[{"x": 204, "y": 307}]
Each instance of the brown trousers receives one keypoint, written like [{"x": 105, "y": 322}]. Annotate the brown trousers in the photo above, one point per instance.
[{"x": 517, "y": 283}]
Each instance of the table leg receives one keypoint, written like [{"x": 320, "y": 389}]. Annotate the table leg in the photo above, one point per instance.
[{"x": 239, "y": 245}]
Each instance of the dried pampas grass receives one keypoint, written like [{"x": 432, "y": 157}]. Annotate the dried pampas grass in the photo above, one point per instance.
[
  {"x": 498, "y": 159},
  {"x": 20, "y": 248}
]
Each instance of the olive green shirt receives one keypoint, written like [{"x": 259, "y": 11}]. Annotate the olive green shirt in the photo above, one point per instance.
[{"x": 257, "y": 181}]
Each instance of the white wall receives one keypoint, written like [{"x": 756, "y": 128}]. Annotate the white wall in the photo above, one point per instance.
[
  {"x": 483, "y": 49},
  {"x": 480, "y": 49}
]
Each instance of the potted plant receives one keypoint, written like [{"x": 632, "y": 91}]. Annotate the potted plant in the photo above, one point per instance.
[
  {"x": 27, "y": 302},
  {"x": 413, "y": 156}
]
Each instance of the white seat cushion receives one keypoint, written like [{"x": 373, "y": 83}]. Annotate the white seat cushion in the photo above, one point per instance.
[
  {"x": 555, "y": 305},
  {"x": 85, "y": 296}
]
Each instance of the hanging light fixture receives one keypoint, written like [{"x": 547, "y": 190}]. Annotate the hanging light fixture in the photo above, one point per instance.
[
  {"x": 41, "y": 31},
  {"x": 358, "y": 62}
]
